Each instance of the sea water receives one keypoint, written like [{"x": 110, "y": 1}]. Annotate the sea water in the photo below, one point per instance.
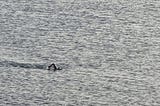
[{"x": 109, "y": 52}]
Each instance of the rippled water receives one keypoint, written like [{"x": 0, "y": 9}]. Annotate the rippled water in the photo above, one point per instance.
[{"x": 109, "y": 51}]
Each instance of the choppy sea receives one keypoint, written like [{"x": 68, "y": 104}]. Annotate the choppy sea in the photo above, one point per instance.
[{"x": 109, "y": 52}]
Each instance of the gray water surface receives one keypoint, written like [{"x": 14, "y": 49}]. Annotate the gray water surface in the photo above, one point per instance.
[{"x": 109, "y": 51}]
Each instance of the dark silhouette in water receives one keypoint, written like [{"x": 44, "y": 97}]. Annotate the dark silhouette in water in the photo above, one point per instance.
[
  {"x": 53, "y": 67},
  {"x": 29, "y": 65}
]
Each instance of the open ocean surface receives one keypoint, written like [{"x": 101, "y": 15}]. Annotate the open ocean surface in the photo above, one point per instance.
[{"x": 109, "y": 51}]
